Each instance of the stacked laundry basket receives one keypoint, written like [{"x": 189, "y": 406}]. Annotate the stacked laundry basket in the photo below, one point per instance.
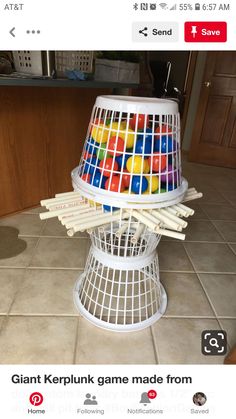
[{"x": 129, "y": 188}]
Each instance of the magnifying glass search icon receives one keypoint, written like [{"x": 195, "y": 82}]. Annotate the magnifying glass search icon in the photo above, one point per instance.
[{"x": 214, "y": 342}]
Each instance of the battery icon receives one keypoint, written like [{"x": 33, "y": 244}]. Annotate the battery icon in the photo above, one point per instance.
[{"x": 197, "y": 6}]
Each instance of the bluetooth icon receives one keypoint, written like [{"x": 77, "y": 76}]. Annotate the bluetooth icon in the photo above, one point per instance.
[{"x": 135, "y": 6}]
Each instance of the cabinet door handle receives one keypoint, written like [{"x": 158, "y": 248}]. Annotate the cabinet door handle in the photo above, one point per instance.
[{"x": 207, "y": 84}]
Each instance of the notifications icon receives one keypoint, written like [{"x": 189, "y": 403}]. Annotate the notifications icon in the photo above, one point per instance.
[{"x": 36, "y": 399}]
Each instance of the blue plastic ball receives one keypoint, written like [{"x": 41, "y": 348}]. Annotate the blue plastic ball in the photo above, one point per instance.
[
  {"x": 91, "y": 165},
  {"x": 143, "y": 146},
  {"x": 90, "y": 148},
  {"x": 147, "y": 135},
  {"x": 107, "y": 208},
  {"x": 165, "y": 144},
  {"x": 139, "y": 184},
  {"x": 98, "y": 180},
  {"x": 168, "y": 187},
  {"x": 121, "y": 160}
]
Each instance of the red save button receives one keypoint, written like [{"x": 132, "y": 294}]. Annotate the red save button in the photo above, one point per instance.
[{"x": 205, "y": 32}]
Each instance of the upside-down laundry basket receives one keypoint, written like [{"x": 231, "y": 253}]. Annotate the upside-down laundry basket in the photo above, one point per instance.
[{"x": 131, "y": 160}]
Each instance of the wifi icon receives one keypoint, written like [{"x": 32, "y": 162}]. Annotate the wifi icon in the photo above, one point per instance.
[{"x": 164, "y": 6}]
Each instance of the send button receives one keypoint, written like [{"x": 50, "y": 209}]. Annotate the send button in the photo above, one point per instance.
[{"x": 155, "y": 32}]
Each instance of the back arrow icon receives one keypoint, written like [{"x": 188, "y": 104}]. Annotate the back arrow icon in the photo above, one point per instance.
[{"x": 11, "y": 32}]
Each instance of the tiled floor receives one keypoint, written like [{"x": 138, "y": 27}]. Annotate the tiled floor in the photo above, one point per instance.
[{"x": 39, "y": 323}]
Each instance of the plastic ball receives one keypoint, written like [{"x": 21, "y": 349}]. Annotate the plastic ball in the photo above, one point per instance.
[
  {"x": 162, "y": 190},
  {"x": 87, "y": 156},
  {"x": 98, "y": 180},
  {"x": 169, "y": 177},
  {"x": 167, "y": 187},
  {"x": 107, "y": 166},
  {"x": 143, "y": 146},
  {"x": 163, "y": 129},
  {"x": 122, "y": 160},
  {"x": 115, "y": 146},
  {"x": 139, "y": 184},
  {"x": 165, "y": 144},
  {"x": 90, "y": 148},
  {"x": 157, "y": 162},
  {"x": 100, "y": 134},
  {"x": 101, "y": 152},
  {"x": 86, "y": 177},
  {"x": 146, "y": 167},
  {"x": 141, "y": 120},
  {"x": 107, "y": 208},
  {"x": 153, "y": 183},
  {"x": 114, "y": 184},
  {"x": 126, "y": 178},
  {"x": 91, "y": 165},
  {"x": 137, "y": 164},
  {"x": 127, "y": 134},
  {"x": 147, "y": 135}
]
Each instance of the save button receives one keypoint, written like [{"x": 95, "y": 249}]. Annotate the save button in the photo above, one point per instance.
[{"x": 205, "y": 32}]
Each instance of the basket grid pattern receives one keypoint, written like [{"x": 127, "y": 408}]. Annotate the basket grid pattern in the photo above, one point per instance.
[
  {"x": 111, "y": 124},
  {"x": 120, "y": 296}
]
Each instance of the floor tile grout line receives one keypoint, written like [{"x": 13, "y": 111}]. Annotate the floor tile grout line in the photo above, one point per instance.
[
  {"x": 155, "y": 345},
  {"x": 76, "y": 341},
  {"x": 17, "y": 291},
  {"x": 203, "y": 288},
  {"x": 229, "y": 245},
  {"x": 229, "y": 346},
  {"x": 82, "y": 269},
  {"x": 78, "y": 316},
  {"x": 218, "y": 231},
  {"x": 51, "y": 237},
  {"x": 156, "y": 355}
]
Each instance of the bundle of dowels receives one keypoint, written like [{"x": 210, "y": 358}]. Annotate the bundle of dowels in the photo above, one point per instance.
[{"x": 77, "y": 213}]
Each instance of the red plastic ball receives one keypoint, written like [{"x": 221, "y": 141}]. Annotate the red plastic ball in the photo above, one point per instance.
[
  {"x": 86, "y": 155},
  {"x": 157, "y": 162},
  {"x": 126, "y": 178},
  {"x": 107, "y": 166},
  {"x": 115, "y": 146},
  {"x": 141, "y": 121},
  {"x": 86, "y": 177},
  {"x": 114, "y": 184},
  {"x": 163, "y": 129}
]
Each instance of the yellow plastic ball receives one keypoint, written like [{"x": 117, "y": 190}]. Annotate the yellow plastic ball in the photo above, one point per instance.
[
  {"x": 136, "y": 164},
  {"x": 153, "y": 183},
  {"x": 146, "y": 167},
  {"x": 127, "y": 135},
  {"x": 99, "y": 134}
]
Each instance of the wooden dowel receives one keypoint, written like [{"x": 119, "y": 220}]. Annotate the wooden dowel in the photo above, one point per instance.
[
  {"x": 122, "y": 230},
  {"x": 173, "y": 217},
  {"x": 139, "y": 231},
  {"x": 190, "y": 190},
  {"x": 190, "y": 211},
  {"x": 95, "y": 223},
  {"x": 58, "y": 195},
  {"x": 141, "y": 217},
  {"x": 158, "y": 214},
  {"x": 65, "y": 218},
  {"x": 51, "y": 201},
  {"x": 84, "y": 217},
  {"x": 51, "y": 214},
  {"x": 171, "y": 210},
  {"x": 180, "y": 211},
  {"x": 168, "y": 233},
  {"x": 61, "y": 205},
  {"x": 192, "y": 197}
]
